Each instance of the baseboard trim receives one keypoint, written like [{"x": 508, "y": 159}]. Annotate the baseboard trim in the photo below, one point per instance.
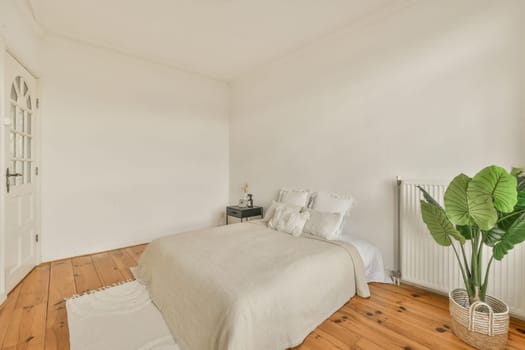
[{"x": 92, "y": 253}]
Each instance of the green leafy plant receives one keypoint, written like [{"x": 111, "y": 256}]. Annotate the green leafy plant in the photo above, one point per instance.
[{"x": 486, "y": 210}]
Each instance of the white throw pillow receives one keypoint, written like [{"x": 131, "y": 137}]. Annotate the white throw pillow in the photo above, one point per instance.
[
  {"x": 325, "y": 225},
  {"x": 271, "y": 209},
  {"x": 289, "y": 221},
  {"x": 331, "y": 202},
  {"x": 294, "y": 196}
]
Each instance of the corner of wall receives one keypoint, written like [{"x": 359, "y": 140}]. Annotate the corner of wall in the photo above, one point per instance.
[
  {"x": 2, "y": 166},
  {"x": 230, "y": 115},
  {"x": 20, "y": 33},
  {"x": 25, "y": 8}
]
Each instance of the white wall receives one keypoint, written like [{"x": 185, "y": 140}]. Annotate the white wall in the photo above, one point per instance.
[
  {"x": 423, "y": 92},
  {"x": 131, "y": 151},
  {"x": 522, "y": 93}
]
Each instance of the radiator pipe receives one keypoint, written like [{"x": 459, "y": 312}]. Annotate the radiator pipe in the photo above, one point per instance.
[{"x": 396, "y": 275}]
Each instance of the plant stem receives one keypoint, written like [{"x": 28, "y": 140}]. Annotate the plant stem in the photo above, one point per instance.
[
  {"x": 479, "y": 257},
  {"x": 465, "y": 280},
  {"x": 473, "y": 262},
  {"x": 469, "y": 274},
  {"x": 511, "y": 215},
  {"x": 486, "y": 281},
  {"x": 475, "y": 266}
]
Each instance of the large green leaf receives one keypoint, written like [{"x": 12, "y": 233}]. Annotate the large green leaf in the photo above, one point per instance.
[
  {"x": 483, "y": 212},
  {"x": 506, "y": 221},
  {"x": 456, "y": 202},
  {"x": 493, "y": 236},
  {"x": 465, "y": 230},
  {"x": 521, "y": 199},
  {"x": 439, "y": 225},
  {"x": 516, "y": 172},
  {"x": 514, "y": 235},
  {"x": 521, "y": 192},
  {"x": 490, "y": 189},
  {"x": 430, "y": 199},
  {"x": 500, "y": 185},
  {"x": 521, "y": 183}
]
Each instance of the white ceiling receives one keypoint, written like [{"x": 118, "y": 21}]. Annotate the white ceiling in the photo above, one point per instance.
[{"x": 217, "y": 38}]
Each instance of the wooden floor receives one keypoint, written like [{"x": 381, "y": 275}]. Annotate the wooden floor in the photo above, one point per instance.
[{"x": 34, "y": 314}]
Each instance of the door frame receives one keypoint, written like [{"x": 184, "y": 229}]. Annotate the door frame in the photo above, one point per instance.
[{"x": 4, "y": 51}]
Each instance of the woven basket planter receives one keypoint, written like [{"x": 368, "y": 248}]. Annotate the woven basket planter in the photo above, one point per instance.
[{"x": 485, "y": 326}]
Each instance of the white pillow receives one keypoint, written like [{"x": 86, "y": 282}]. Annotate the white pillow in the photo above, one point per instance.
[
  {"x": 289, "y": 221},
  {"x": 325, "y": 225},
  {"x": 271, "y": 210},
  {"x": 332, "y": 202},
  {"x": 293, "y": 196}
]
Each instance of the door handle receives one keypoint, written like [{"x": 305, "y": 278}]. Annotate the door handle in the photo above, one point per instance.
[{"x": 7, "y": 176}]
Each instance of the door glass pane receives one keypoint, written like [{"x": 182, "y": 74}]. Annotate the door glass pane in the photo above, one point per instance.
[
  {"x": 23, "y": 151},
  {"x": 13, "y": 121},
  {"x": 23, "y": 172},
  {"x": 14, "y": 94},
  {"x": 19, "y": 120},
  {"x": 18, "y": 146},
  {"x": 28, "y": 122},
  {"x": 25, "y": 115},
  {"x": 22, "y": 118},
  {"x": 17, "y": 83},
  {"x": 28, "y": 147},
  {"x": 12, "y": 114}
]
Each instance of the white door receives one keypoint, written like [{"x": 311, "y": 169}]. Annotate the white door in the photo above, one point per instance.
[{"x": 20, "y": 186}]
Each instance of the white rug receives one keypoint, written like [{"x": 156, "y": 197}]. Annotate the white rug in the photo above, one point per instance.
[{"x": 117, "y": 318}]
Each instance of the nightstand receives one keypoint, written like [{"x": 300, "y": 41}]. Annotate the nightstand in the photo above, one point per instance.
[{"x": 243, "y": 212}]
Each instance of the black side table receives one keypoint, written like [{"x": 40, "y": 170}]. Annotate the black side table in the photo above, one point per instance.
[{"x": 243, "y": 212}]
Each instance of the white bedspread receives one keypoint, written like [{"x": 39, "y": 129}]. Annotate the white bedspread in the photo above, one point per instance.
[
  {"x": 245, "y": 286},
  {"x": 372, "y": 260}
]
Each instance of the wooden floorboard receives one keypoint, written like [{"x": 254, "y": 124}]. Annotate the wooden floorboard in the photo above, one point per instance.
[
  {"x": 27, "y": 323},
  {"x": 61, "y": 285},
  {"x": 85, "y": 274},
  {"x": 136, "y": 251},
  {"x": 106, "y": 268},
  {"x": 34, "y": 315},
  {"x": 6, "y": 313},
  {"x": 123, "y": 261}
]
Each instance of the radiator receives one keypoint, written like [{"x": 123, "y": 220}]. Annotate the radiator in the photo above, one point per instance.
[{"x": 422, "y": 262}]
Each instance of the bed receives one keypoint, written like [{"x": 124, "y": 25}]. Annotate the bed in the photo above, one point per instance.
[{"x": 245, "y": 286}]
